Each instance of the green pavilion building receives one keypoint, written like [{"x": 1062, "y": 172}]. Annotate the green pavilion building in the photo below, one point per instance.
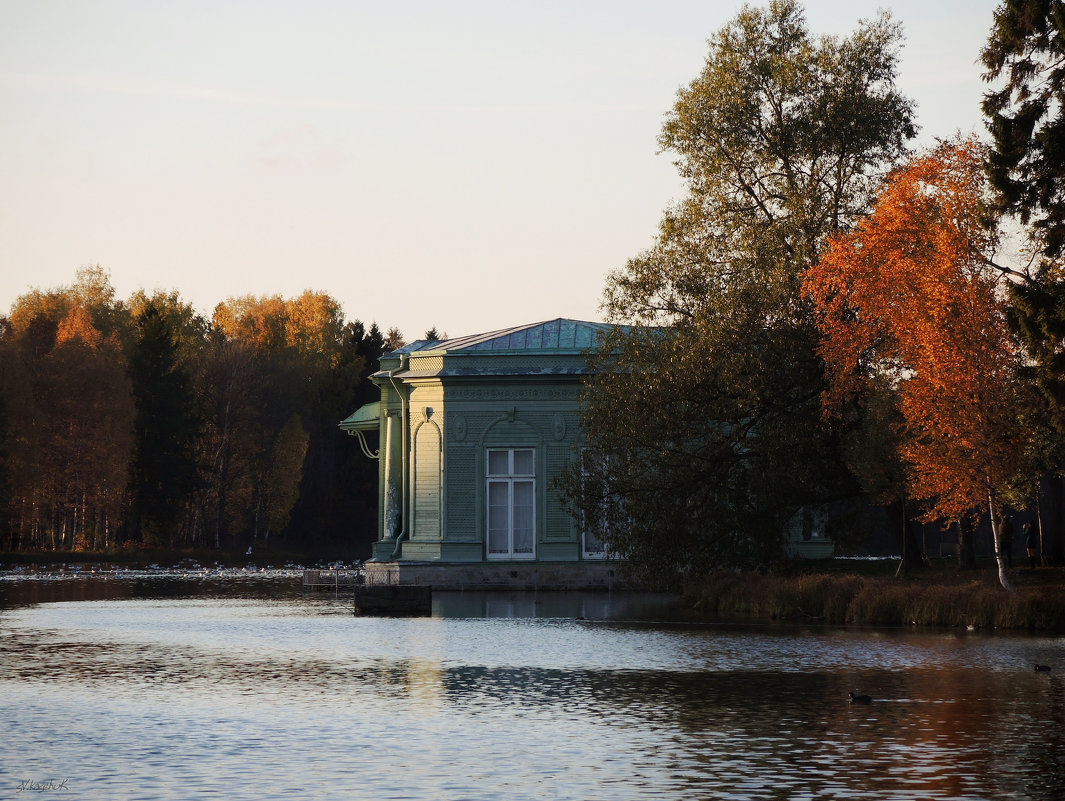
[{"x": 471, "y": 434}]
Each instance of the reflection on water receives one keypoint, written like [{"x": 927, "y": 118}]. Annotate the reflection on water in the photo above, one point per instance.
[
  {"x": 512, "y": 697},
  {"x": 576, "y": 605}
]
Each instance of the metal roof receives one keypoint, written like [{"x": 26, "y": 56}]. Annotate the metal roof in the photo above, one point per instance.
[
  {"x": 365, "y": 418},
  {"x": 552, "y": 336}
]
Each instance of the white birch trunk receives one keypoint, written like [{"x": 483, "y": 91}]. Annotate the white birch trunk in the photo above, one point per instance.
[{"x": 1003, "y": 579}]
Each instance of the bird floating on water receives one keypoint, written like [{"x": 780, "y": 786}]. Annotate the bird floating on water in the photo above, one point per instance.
[
  {"x": 860, "y": 699},
  {"x": 1042, "y": 668}
]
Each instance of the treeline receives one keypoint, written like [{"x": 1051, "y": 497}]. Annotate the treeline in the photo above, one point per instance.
[{"x": 141, "y": 422}]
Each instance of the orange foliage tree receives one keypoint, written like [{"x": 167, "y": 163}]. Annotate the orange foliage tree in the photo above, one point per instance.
[
  {"x": 266, "y": 387},
  {"x": 70, "y": 418},
  {"x": 911, "y": 294}
]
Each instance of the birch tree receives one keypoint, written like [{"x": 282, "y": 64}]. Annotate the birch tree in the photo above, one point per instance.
[{"x": 911, "y": 294}]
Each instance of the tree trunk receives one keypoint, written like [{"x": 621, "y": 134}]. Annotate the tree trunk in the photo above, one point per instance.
[
  {"x": 912, "y": 558},
  {"x": 1003, "y": 579}
]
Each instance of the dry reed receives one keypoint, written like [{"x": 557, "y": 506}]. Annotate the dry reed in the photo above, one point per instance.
[{"x": 878, "y": 601}]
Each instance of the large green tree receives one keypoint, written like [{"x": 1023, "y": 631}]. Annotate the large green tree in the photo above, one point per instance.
[{"x": 705, "y": 408}]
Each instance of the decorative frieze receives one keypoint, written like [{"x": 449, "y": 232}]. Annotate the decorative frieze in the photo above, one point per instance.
[{"x": 511, "y": 393}]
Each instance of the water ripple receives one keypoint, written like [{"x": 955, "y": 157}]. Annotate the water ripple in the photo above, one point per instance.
[{"x": 268, "y": 699}]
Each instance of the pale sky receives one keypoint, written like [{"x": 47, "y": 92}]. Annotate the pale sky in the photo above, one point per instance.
[{"x": 466, "y": 165}]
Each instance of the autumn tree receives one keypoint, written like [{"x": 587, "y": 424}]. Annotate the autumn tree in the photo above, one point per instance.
[
  {"x": 70, "y": 416},
  {"x": 248, "y": 391},
  {"x": 280, "y": 465},
  {"x": 705, "y": 403},
  {"x": 67, "y": 397},
  {"x": 223, "y": 431},
  {"x": 231, "y": 390},
  {"x": 911, "y": 296},
  {"x": 277, "y": 488},
  {"x": 21, "y": 351},
  {"x": 91, "y": 291},
  {"x": 90, "y": 441}
]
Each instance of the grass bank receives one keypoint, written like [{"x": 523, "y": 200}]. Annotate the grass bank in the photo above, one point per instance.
[{"x": 932, "y": 597}]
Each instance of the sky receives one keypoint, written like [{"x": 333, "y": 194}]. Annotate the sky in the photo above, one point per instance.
[{"x": 465, "y": 165}]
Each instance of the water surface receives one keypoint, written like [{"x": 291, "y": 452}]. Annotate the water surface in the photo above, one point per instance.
[{"x": 270, "y": 695}]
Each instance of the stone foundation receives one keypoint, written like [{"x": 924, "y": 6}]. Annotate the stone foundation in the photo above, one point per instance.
[{"x": 499, "y": 575}]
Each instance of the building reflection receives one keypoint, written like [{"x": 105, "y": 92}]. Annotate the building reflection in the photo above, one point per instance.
[{"x": 551, "y": 604}]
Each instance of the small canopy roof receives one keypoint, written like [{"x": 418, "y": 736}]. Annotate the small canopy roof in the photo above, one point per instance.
[{"x": 365, "y": 418}]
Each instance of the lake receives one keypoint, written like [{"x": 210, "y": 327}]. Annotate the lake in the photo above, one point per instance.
[{"x": 184, "y": 688}]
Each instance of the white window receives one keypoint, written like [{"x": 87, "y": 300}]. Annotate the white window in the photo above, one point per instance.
[{"x": 511, "y": 503}]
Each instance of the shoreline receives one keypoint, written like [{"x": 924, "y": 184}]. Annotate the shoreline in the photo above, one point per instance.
[
  {"x": 835, "y": 592},
  {"x": 934, "y": 598}
]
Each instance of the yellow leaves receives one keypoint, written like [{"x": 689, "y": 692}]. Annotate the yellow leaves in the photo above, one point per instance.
[
  {"x": 77, "y": 326},
  {"x": 316, "y": 322},
  {"x": 258, "y": 321},
  {"x": 85, "y": 312},
  {"x": 37, "y": 304},
  {"x": 312, "y": 323}
]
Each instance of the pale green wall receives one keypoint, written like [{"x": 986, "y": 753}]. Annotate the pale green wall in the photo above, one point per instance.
[
  {"x": 450, "y": 429},
  {"x": 541, "y": 414},
  {"x": 518, "y": 389}
]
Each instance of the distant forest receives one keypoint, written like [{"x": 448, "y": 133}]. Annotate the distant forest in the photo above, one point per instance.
[{"x": 141, "y": 423}]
